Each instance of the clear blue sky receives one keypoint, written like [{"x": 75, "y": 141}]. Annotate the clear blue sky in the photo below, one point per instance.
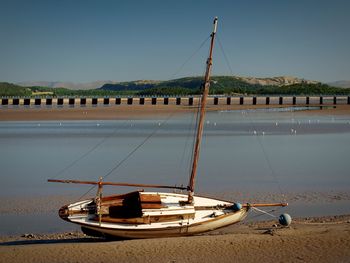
[{"x": 82, "y": 41}]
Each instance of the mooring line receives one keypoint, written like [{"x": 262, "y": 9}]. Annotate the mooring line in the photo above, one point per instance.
[{"x": 88, "y": 152}]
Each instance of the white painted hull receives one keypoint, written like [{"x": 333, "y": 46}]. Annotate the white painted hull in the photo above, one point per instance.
[
  {"x": 174, "y": 231},
  {"x": 204, "y": 215}
]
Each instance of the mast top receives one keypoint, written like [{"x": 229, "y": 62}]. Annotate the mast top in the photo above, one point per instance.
[{"x": 215, "y": 24}]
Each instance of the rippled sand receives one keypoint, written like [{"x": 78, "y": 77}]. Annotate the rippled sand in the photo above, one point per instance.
[{"x": 325, "y": 239}]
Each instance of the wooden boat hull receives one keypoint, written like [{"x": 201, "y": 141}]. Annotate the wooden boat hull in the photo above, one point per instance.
[
  {"x": 177, "y": 231},
  {"x": 169, "y": 218}
]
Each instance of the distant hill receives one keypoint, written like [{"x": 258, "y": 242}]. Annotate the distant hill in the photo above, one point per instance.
[
  {"x": 220, "y": 85},
  {"x": 277, "y": 81},
  {"x": 130, "y": 85},
  {"x": 9, "y": 89},
  {"x": 67, "y": 85},
  {"x": 229, "y": 85},
  {"x": 190, "y": 82},
  {"x": 340, "y": 84},
  {"x": 195, "y": 82},
  {"x": 13, "y": 90}
]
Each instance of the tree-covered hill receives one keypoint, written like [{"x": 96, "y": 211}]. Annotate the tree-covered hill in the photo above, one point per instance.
[
  {"x": 227, "y": 85},
  {"x": 13, "y": 90},
  {"x": 9, "y": 89},
  {"x": 220, "y": 85}
]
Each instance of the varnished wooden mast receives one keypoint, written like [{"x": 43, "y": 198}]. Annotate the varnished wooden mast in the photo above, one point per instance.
[{"x": 201, "y": 116}]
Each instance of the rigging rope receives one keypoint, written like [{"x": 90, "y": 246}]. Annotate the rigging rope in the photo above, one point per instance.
[
  {"x": 190, "y": 57},
  {"x": 188, "y": 133},
  {"x": 130, "y": 154},
  {"x": 264, "y": 212},
  {"x": 155, "y": 131},
  {"x": 267, "y": 159},
  {"x": 196, "y": 125},
  {"x": 197, "y": 108},
  {"x": 88, "y": 152},
  {"x": 225, "y": 57}
]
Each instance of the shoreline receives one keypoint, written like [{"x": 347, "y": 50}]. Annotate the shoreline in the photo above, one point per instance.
[
  {"x": 125, "y": 112},
  {"x": 318, "y": 239}
]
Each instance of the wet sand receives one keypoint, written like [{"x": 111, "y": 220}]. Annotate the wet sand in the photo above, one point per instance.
[
  {"x": 115, "y": 112},
  {"x": 312, "y": 239},
  {"x": 322, "y": 239}
]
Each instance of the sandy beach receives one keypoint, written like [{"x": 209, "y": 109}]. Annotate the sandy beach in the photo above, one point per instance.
[
  {"x": 317, "y": 239},
  {"x": 322, "y": 239},
  {"x": 121, "y": 112}
]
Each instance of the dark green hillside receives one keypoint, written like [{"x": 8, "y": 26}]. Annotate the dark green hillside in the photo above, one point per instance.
[
  {"x": 224, "y": 85},
  {"x": 185, "y": 86},
  {"x": 9, "y": 89},
  {"x": 220, "y": 85},
  {"x": 126, "y": 86},
  {"x": 13, "y": 90},
  {"x": 304, "y": 89}
]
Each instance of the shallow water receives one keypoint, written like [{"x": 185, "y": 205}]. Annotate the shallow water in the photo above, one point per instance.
[{"x": 242, "y": 151}]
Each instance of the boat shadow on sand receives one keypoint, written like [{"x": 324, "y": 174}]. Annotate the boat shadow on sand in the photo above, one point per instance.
[
  {"x": 57, "y": 241},
  {"x": 266, "y": 227}
]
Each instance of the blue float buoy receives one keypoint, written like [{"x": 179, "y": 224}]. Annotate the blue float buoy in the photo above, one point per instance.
[
  {"x": 285, "y": 219},
  {"x": 236, "y": 207}
]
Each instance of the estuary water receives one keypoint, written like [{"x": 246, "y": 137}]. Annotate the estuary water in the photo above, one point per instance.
[{"x": 245, "y": 155}]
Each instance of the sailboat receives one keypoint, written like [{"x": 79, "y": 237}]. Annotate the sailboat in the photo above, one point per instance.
[{"x": 143, "y": 214}]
